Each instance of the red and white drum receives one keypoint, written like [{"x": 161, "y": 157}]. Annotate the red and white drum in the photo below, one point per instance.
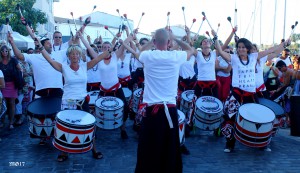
[
  {"x": 181, "y": 124},
  {"x": 41, "y": 114},
  {"x": 208, "y": 113},
  {"x": 109, "y": 112},
  {"x": 186, "y": 101},
  {"x": 136, "y": 99},
  {"x": 74, "y": 131},
  {"x": 254, "y": 125},
  {"x": 127, "y": 92},
  {"x": 93, "y": 97}
]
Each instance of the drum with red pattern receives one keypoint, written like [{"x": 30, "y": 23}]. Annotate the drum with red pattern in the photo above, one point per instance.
[
  {"x": 181, "y": 124},
  {"x": 74, "y": 131}
]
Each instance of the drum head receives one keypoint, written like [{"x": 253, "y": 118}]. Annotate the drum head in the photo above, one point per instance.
[
  {"x": 181, "y": 116},
  {"x": 127, "y": 92},
  {"x": 275, "y": 107},
  {"x": 188, "y": 95},
  {"x": 44, "y": 106},
  {"x": 76, "y": 117},
  {"x": 256, "y": 113},
  {"x": 138, "y": 92},
  {"x": 93, "y": 97},
  {"x": 109, "y": 103},
  {"x": 209, "y": 104}
]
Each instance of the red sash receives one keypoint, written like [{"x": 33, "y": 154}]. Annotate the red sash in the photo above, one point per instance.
[
  {"x": 243, "y": 94},
  {"x": 112, "y": 89},
  {"x": 124, "y": 81},
  {"x": 207, "y": 84}
]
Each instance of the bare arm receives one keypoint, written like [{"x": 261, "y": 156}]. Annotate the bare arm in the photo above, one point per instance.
[
  {"x": 87, "y": 45},
  {"x": 125, "y": 44},
  {"x": 16, "y": 51},
  {"x": 2, "y": 82},
  {"x": 223, "y": 54},
  {"x": 273, "y": 49},
  {"x": 229, "y": 38},
  {"x": 99, "y": 58}
]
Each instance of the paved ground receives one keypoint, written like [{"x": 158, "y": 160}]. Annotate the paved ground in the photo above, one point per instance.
[{"x": 20, "y": 153}]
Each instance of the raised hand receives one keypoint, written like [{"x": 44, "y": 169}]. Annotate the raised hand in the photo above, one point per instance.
[{"x": 23, "y": 21}]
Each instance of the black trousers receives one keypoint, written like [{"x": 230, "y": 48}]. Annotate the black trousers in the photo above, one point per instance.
[
  {"x": 50, "y": 92},
  {"x": 159, "y": 147}
]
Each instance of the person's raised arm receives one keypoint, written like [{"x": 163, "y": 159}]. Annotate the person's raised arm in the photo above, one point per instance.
[
  {"x": 56, "y": 65},
  {"x": 100, "y": 57},
  {"x": 184, "y": 46},
  {"x": 121, "y": 51},
  {"x": 273, "y": 49},
  {"x": 87, "y": 45},
  {"x": 223, "y": 54},
  {"x": 29, "y": 30},
  {"x": 126, "y": 46},
  {"x": 227, "y": 41},
  {"x": 16, "y": 51}
]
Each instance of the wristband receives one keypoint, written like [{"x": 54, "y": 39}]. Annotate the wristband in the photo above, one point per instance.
[
  {"x": 41, "y": 48},
  {"x": 215, "y": 38}
]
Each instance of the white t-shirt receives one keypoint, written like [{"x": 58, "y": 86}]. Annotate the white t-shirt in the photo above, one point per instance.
[
  {"x": 135, "y": 63},
  {"x": 63, "y": 46},
  {"x": 224, "y": 64},
  {"x": 75, "y": 82},
  {"x": 93, "y": 74},
  {"x": 161, "y": 70},
  {"x": 109, "y": 72},
  {"x": 206, "y": 68},
  {"x": 45, "y": 76},
  {"x": 1, "y": 74},
  {"x": 243, "y": 76},
  {"x": 287, "y": 61},
  {"x": 123, "y": 66},
  {"x": 187, "y": 68},
  {"x": 259, "y": 75}
]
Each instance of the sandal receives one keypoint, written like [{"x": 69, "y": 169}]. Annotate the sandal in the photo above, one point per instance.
[
  {"x": 62, "y": 158},
  {"x": 97, "y": 155}
]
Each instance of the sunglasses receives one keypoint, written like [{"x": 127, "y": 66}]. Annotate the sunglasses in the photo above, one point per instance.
[
  {"x": 4, "y": 51},
  {"x": 57, "y": 37}
]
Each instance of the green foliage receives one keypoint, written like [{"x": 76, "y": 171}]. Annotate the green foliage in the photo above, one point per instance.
[{"x": 35, "y": 16}]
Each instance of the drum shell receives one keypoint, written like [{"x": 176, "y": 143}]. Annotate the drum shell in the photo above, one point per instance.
[
  {"x": 41, "y": 114},
  {"x": 186, "y": 101},
  {"x": 181, "y": 125},
  {"x": 93, "y": 97},
  {"x": 73, "y": 138},
  {"x": 109, "y": 118},
  {"x": 254, "y": 134},
  {"x": 206, "y": 119},
  {"x": 136, "y": 99}
]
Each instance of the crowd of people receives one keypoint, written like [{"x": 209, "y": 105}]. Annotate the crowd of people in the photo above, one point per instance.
[{"x": 163, "y": 67}]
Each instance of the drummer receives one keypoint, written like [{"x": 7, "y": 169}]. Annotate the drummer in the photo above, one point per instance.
[
  {"x": 243, "y": 82},
  {"x": 75, "y": 75},
  {"x": 93, "y": 77}
]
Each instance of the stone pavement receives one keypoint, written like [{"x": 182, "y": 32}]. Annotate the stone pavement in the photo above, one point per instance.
[{"x": 20, "y": 153}]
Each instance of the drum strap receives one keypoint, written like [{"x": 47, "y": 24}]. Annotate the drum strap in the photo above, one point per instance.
[
  {"x": 243, "y": 94},
  {"x": 207, "y": 84},
  {"x": 97, "y": 84},
  {"x": 140, "y": 80},
  {"x": 164, "y": 105},
  {"x": 260, "y": 88},
  {"x": 187, "y": 87},
  {"x": 124, "y": 81},
  {"x": 110, "y": 90}
]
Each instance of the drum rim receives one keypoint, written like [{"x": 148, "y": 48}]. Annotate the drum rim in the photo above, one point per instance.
[
  {"x": 198, "y": 101},
  {"x": 183, "y": 95},
  {"x": 238, "y": 113},
  {"x": 42, "y": 98},
  {"x": 119, "y": 100},
  {"x": 74, "y": 125}
]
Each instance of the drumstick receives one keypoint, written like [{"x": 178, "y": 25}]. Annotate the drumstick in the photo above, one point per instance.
[
  {"x": 207, "y": 20},
  {"x": 293, "y": 28},
  {"x": 140, "y": 20},
  {"x": 235, "y": 17},
  {"x": 106, "y": 27},
  {"x": 218, "y": 28},
  {"x": 183, "y": 15},
  {"x": 94, "y": 8},
  {"x": 168, "y": 20},
  {"x": 74, "y": 20},
  {"x": 194, "y": 20},
  {"x": 19, "y": 8},
  {"x": 125, "y": 15},
  {"x": 229, "y": 19},
  {"x": 201, "y": 25},
  {"x": 70, "y": 28}
]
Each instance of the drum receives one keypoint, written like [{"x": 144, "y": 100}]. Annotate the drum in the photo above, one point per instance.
[
  {"x": 208, "y": 113},
  {"x": 41, "y": 114},
  {"x": 74, "y": 131},
  {"x": 186, "y": 101},
  {"x": 254, "y": 125},
  {"x": 181, "y": 124},
  {"x": 276, "y": 108},
  {"x": 127, "y": 92},
  {"x": 93, "y": 97},
  {"x": 136, "y": 99},
  {"x": 109, "y": 112}
]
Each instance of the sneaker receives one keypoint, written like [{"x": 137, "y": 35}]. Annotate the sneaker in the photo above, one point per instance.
[
  {"x": 124, "y": 134},
  {"x": 184, "y": 150},
  {"x": 227, "y": 150}
]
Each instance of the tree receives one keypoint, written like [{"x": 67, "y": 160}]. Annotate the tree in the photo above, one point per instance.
[{"x": 8, "y": 9}]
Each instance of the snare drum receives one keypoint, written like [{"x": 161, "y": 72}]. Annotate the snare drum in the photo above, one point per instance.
[
  {"x": 181, "y": 124},
  {"x": 93, "y": 97},
  {"x": 208, "y": 113},
  {"x": 254, "y": 125},
  {"x": 109, "y": 112},
  {"x": 127, "y": 92},
  {"x": 136, "y": 99},
  {"x": 276, "y": 108},
  {"x": 74, "y": 131},
  {"x": 186, "y": 101},
  {"x": 41, "y": 114}
]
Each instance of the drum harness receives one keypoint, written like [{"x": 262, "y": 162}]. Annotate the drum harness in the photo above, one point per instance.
[
  {"x": 207, "y": 84},
  {"x": 166, "y": 105},
  {"x": 124, "y": 81},
  {"x": 112, "y": 89}
]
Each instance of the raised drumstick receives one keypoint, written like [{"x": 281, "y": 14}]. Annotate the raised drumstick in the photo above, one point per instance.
[
  {"x": 201, "y": 25},
  {"x": 168, "y": 20},
  {"x": 207, "y": 20},
  {"x": 140, "y": 20},
  {"x": 74, "y": 20},
  {"x": 70, "y": 28},
  {"x": 183, "y": 15},
  {"x": 125, "y": 15},
  {"x": 19, "y": 8},
  {"x": 218, "y": 28},
  {"x": 229, "y": 19},
  {"x": 194, "y": 20}
]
